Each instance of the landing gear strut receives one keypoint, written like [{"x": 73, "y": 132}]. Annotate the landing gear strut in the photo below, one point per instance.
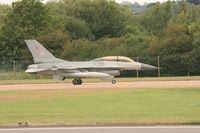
[{"x": 77, "y": 82}]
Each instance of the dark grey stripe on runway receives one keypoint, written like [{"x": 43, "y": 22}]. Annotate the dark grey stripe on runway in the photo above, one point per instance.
[{"x": 134, "y": 129}]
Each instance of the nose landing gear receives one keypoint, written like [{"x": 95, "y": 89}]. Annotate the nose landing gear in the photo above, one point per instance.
[
  {"x": 114, "y": 81},
  {"x": 77, "y": 82}
]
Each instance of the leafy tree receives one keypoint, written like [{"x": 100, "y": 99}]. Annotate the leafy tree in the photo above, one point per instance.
[
  {"x": 132, "y": 45},
  {"x": 156, "y": 17},
  {"x": 55, "y": 42},
  {"x": 194, "y": 56},
  {"x": 173, "y": 46},
  {"x": 86, "y": 29},
  {"x": 105, "y": 18},
  {"x": 196, "y": 2},
  {"x": 176, "y": 40},
  {"x": 24, "y": 21},
  {"x": 3, "y": 12},
  {"x": 108, "y": 46},
  {"x": 79, "y": 50},
  {"x": 77, "y": 28}
]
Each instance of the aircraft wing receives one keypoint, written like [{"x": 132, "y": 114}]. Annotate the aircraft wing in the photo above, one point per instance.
[
  {"x": 35, "y": 70},
  {"x": 84, "y": 67},
  {"x": 67, "y": 69}
]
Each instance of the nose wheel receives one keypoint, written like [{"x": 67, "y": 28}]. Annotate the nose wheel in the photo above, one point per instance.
[
  {"x": 77, "y": 82},
  {"x": 113, "y": 81}
]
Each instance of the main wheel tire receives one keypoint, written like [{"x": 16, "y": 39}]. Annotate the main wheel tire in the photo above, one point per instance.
[
  {"x": 79, "y": 81},
  {"x": 75, "y": 82},
  {"x": 114, "y": 81}
]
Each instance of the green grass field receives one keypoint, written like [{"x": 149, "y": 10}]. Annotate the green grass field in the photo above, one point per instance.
[
  {"x": 41, "y": 81},
  {"x": 100, "y": 106}
]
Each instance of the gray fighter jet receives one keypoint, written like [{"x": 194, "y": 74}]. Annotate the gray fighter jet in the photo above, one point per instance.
[{"x": 105, "y": 68}]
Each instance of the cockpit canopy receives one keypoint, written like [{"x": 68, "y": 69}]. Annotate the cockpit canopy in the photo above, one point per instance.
[{"x": 114, "y": 58}]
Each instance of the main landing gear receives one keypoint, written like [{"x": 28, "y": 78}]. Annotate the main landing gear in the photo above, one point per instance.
[{"x": 77, "y": 82}]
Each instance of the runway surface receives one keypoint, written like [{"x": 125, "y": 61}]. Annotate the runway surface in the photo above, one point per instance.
[
  {"x": 134, "y": 129},
  {"x": 105, "y": 85}
]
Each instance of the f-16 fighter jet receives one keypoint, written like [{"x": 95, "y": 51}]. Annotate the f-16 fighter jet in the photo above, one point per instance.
[{"x": 105, "y": 68}]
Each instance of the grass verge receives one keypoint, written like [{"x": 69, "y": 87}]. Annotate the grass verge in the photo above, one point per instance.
[{"x": 100, "y": 106}]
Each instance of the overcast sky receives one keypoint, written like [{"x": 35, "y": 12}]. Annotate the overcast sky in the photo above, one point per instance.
[{"x": 119, "y": 1}]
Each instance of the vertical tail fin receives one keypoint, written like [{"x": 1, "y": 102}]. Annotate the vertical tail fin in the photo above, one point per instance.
[{"x": 40, "y": 54}]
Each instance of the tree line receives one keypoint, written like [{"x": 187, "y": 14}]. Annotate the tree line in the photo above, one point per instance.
[{"x": 87, "y": 29}]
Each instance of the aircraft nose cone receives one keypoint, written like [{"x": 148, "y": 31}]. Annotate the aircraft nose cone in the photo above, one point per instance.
[{"x": 147, "y": 67}]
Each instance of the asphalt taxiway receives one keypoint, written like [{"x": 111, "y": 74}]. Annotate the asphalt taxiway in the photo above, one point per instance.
[
  {"x": 105, "y": 85},
  {"x": 129, "y": 129}
]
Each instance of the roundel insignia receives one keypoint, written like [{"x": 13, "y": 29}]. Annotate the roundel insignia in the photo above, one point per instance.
[
  {"x": 42, "y": 53},
  {"x": 38, "y": 47}
]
